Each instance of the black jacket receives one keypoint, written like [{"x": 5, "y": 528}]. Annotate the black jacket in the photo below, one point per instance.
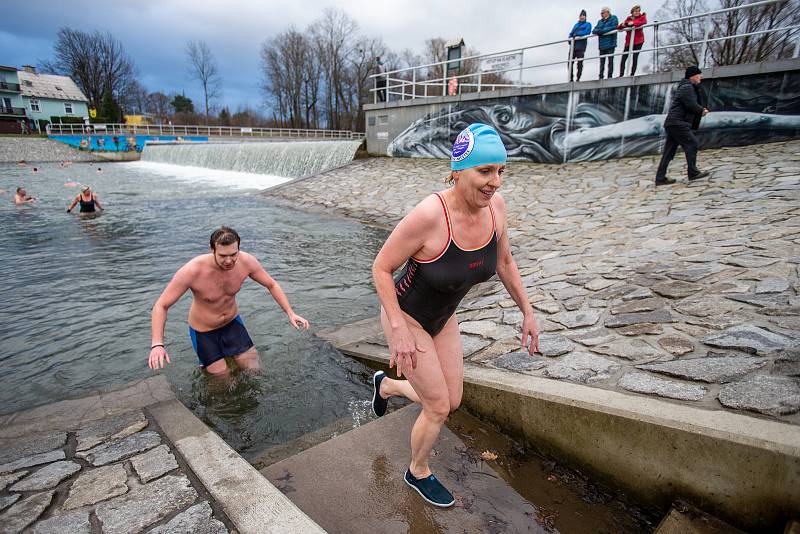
[{"x": 687, "y": 105}]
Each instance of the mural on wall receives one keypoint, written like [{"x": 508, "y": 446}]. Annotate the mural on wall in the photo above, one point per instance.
[{"x": 612, "y": 122}]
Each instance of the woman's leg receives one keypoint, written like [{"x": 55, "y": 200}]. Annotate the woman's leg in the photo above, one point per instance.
[
  {"x": 451, "y": 360},
  {"x": 635, "y": 58},
  {"x": 428, "y": 385},
  {"x": 391, "y": 387}
]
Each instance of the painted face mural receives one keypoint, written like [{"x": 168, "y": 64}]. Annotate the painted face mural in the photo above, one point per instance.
[{"x": 612, "y": 122}]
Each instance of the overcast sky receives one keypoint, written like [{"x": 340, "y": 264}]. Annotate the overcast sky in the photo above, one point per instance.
[{"x": 155, "y": 32}]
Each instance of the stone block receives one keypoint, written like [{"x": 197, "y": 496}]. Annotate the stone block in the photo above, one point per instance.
[
  {"x": 112, "y": 451},
  {"x": 146, "y": 505},
  {"x": 646, "y": 383},
  {"x": 154, "y": 463}
]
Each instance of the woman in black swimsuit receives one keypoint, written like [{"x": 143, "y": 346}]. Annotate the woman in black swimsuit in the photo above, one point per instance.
[
  {"x": 87, "y": 200},
  {"x": 449, "y": 242}
]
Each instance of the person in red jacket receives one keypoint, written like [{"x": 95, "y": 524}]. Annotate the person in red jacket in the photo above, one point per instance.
[{"x": 632, "y": 25}]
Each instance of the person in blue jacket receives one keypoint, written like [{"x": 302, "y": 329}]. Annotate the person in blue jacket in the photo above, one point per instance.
[
  {"x": 607, "y": 41},
  {"x": 578, "y": 49}
]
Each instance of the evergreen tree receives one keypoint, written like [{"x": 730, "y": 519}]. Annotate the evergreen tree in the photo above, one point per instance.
[
  {"x": 225, "y": 117},
  {"x": 109, "y": 109},
  {"x": 182, "y": 104}
]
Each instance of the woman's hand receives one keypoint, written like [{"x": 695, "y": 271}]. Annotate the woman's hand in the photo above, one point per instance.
[
  {"x": 297, "y": 321},
  {"x": 530, "y": 334},
  {"x": 157, "y": 356},
  {"x": 403, "y": 350}
]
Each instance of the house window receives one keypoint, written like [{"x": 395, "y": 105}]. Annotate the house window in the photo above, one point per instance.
[
  {"x": 68, "y": 108},
  {"x": 35, "y": 105}
]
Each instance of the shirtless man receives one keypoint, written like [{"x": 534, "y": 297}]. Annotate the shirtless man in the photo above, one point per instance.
[
  {"x": 215, "y": 328},
  {"x": 22, "y": 197}
]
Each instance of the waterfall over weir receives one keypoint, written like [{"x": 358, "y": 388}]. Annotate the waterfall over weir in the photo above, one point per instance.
[{"x": 290, "y": 159}]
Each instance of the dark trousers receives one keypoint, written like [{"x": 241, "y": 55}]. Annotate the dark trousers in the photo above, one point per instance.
[
  {"x": 381, "y": 85},
  {"x": 577, "y": 57},
  {"x": 635, "y": 62},
  {"x": 683, "y": 136},
  {"x": 603, "y": 53}
]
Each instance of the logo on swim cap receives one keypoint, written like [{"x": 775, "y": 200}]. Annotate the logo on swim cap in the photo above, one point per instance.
[{"x": 463, "y": 145}]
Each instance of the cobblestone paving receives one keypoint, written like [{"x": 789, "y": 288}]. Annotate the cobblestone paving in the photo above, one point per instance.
[
  {"x": 687, "y": 292},
  {"x": 115, "y": 475},
  {"x": 38, "y": 149}
]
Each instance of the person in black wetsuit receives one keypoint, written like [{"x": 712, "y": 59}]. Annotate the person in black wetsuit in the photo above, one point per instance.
[
  {"x": 449, "y": 242},
  {"x": 89, "y": 203}
]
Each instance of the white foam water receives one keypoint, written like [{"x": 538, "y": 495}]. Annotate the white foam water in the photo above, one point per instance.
[
  {"x": 210, "y": 177},
  {"x": 292, "y": 159}
]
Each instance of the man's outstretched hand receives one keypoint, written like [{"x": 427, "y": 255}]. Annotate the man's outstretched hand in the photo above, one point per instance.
[
  {"x": 158, "y": 355},
  {"x": 298, "y": 322}
]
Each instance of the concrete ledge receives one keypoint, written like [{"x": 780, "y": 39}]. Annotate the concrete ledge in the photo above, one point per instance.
[
  {"x": 68, "y": 414},
  {"x": 743, "y": 469},
  {"x": 249, "y": 500}
]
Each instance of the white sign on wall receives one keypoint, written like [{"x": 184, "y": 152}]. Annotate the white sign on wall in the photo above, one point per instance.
[
  {"x": 382, "y": 135},
  {"x": 247, "y": 130},
  {"x": 504, "y": 62}
]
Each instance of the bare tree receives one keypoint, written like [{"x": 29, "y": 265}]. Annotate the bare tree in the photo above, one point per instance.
[
  {"x": 332, "y": 36},
  {"x": 134, "y": 98},
  {"x": 203, "y": 68},
  {"x": 290, "y": 74},
  {"x": 158, "y": 105},
  {"x": 95, "y": 61},
  {"x": 726, "y": 51}
]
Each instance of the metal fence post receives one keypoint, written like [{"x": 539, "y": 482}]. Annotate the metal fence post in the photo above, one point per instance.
[
  {"x": 704, "y": 48},
  {"x": 480, "y": 78},
  {"x": 374, "y": 89},
  {"x": 569, "y": 61},
  {"x": 444, "y": 78},
  {"x": 655, "y": 47}
]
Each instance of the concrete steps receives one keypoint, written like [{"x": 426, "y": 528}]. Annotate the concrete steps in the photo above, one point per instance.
[{"x": 353, "y": 483}]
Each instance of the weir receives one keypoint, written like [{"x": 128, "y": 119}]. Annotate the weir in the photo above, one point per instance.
[{"x": 294, "y": 159}]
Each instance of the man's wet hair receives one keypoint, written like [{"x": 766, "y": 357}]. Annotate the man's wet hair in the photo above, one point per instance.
[{"x": 224, "y": 236}]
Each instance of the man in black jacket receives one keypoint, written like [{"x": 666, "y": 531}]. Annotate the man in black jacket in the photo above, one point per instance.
[{"x": 684, "y": 115}]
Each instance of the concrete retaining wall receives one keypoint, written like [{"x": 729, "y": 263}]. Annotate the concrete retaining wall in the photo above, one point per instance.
[
  {"x": 37, "y": 149},
  {"x": 598, "y": 119}
]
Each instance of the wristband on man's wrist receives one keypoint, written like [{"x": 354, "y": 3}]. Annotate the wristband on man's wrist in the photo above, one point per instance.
[{"x": 156, "y": 345}]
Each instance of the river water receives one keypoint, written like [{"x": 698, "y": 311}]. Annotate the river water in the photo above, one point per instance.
[{"x": 77, "y": 293}]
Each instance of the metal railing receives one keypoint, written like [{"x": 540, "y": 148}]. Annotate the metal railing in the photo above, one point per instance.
[
  {"x": 413, "y": 83},
  {"x": 8, "y": 86},
  {"x": 190, "y": 130},
  {"x": 12, "y": 111}
]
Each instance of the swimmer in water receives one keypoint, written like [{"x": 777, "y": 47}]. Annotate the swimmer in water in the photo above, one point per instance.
[
  {"x": 99, "y": 170},
  {"x": 21, "y": 163},
  {"x": 87, "y": 200},
  {"x": 22, "y": 197},
  {"x": 418, "y": 307},
  {"x": 215, "y": 328},
  {"x": 70, "y": 184}
]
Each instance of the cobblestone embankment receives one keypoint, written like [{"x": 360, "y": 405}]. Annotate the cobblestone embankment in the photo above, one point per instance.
[
  {"x": 115, "y": 475},
  {"x": 38, "y": 149},
  {"x": 687, "y": 292}
]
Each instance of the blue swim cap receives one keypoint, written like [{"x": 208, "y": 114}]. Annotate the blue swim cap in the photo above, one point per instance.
[{"x": 477, "y": 144}]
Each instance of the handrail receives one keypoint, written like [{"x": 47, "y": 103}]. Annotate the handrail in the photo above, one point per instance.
[
  {"x": 409, "y": 87},
  {"x": 198, "y": 130}
]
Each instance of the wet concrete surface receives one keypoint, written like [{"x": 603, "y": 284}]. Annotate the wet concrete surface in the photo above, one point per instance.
[{"x": 353, "y": 483}]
